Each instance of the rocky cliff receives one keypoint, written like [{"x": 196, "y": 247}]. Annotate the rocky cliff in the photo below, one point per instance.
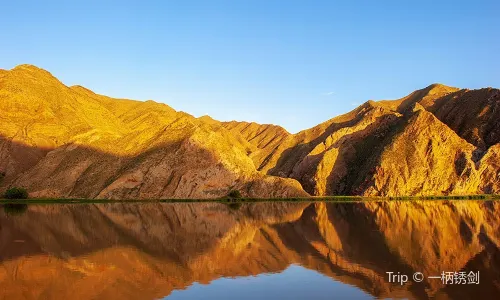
[{"x": 61, "y": 141}]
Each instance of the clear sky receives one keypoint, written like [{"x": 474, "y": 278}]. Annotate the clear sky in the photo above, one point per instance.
[{"x": 292, "y": 63}]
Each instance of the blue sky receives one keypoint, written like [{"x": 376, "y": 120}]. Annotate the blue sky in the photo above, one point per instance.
[{"x": 292, "y": 63}]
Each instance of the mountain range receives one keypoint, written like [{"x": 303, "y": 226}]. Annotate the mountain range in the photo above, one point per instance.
[{"x": 60, "y": 141}]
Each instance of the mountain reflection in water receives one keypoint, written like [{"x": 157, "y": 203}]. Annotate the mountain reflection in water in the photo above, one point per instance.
[{"x": 156, "y": 250}]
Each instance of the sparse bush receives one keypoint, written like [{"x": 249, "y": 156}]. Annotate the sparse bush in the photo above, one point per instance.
[
  {"x": 16, "y": 193},
  {"x": 234, "y": 194},
  {"x": 233, "y": 199}
]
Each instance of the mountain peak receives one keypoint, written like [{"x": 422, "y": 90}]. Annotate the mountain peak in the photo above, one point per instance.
[
  {"x": 437, "y": 88},
  {"x": 32, "y": 70},
  {"x": 28, "y": 67}
]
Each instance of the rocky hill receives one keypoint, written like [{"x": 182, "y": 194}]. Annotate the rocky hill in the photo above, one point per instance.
[
  {"x": 435, "y": 141},
  {"x": 60, "y": 141}
]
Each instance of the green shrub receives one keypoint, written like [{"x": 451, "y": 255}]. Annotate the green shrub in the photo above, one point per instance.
[
  {"x": 16, "y": 193},
  {"x": 234, "y": 194}
]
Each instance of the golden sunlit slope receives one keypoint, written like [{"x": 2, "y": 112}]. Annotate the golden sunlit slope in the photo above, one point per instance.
[
  {"x": 265, "y": 137},
  {"x": 70, "y": 142},
  {"x": 438, "y": 140}
]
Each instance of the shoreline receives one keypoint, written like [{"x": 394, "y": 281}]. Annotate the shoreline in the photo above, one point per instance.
[{"x": 334, "y": 199}]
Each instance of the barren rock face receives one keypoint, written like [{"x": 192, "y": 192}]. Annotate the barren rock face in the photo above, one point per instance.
[
  {"x": 60, "y": 141},
  {"x": 131, "y": 251}
]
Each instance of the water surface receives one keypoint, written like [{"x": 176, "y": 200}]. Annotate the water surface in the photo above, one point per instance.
[{"x": 270, "y": 250}]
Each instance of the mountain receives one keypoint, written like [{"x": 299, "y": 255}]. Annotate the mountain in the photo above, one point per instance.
[
  {"x": 438, "y": 140},
  {"x": 60, "y": 141}
]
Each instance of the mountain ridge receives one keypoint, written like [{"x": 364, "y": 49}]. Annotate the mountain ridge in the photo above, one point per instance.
[{"x": 62, "y": 141}]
